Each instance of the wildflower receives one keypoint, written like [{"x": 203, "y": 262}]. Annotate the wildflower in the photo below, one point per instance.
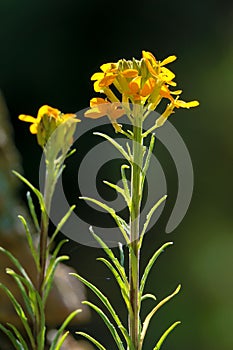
[
  {"x": 101, "y": 107},
  {"x": 47, "y": 120}
]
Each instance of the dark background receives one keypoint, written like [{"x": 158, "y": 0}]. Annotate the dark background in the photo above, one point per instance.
[{"x": 49, "y": 50}]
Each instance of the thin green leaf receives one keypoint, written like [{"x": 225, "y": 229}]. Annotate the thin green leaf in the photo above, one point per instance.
[
  {"x": 32, "y": 211},
  {"x": 19, "y": 336},
  {"x": 109, "y": 252},
  {"x": 19, "y": 310},
  {"x": 47, "y": 283},
  {"x": 123, "y": 288},
  {"x": 17, "y": 264},
  {"x": 148, "y": 157},
  {"x": 148, "y": 296},
  {"x": 148, "y": 218},
  {"x": 125, "y": 182},
  {"x": 110, "y": 326},
  {"x": 61, "y": 340},
  {"x": 22, "y": 289},
  {"x": 165, "y": 334},
  {"x": 93, "y": 340},
  {"x": 122, "y": 255},
  {"x": 123, "y": 226},
  {"x": 119, "y": 190},
  {"x": 12, "y": 338},
  {"x": 55, "y": 341},
  {"x": 149, "y": 266},
  {"x": 34, "y": 189},
  {"x": 40, "y": 318},
  {"x": 30, "y": 242},
  {"x": 61, "y": 223},
  {"x": 151, "y": 314},
  {"x": 115, "y": 144},
  {"x": 106, "y": 302}
]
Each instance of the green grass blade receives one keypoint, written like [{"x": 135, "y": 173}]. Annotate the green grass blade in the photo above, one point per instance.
[
  {"x": 148, "y": 218},
  {"x": 110, "y": 326},
  {"x": 12, "y": 338},
  {"x": 19, "y": 336},
  {"x": 151, "y": 314},
  {"x": 149, "y": 266},
  {"x": 32, "y": 211},
  {"x": 93, "y": 340},
  {"x": 165, "y": 334},
  {"x": 106, "y": 302},
  {"x": 40, "y": 319},
  {"x": 55, "y": 341},
  {"x": 123, "y": 226},
  {"x": 61, "y": 340},
  {"x": 30, "y": 242}
]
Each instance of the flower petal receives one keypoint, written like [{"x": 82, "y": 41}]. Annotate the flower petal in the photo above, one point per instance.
[
  {"x": 96, "y": 101},
  {"x": 97, "y": 76},
  {"x": 183, "y": 104},
  {"x": 33, "y": 128},
  {"x": 27, "y": 118},
  {"x": 148, "y": 87},
  {"x": 134, "y": 85},
  {"x": 130, "y": 73},
  {"x": 168, "y": 60}
]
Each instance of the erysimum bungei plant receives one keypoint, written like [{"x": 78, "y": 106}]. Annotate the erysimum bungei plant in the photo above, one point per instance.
[
  {"x": 134, "y": 88},
  {"x": 35, "y": 294}
]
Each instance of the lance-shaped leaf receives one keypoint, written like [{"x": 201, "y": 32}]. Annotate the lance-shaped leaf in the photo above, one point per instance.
[
  {"x": 151, "y": 314},
  {"x": 148, "y": 218},
  {"x": 17, "y": 345},
  {"x": 148, "y": 157},
  {"x": 149, "y": 266},
  {"x": 32, "y": 211},
  {"x": 115, "y": 144},
  {"x": 110, "y": 326},
  {"x": 20, "y": 312},
  {"x": 34, "y": 189},
  {"x": 119, "y": 190},
  {"x": 55, "y": 341},
  {"x": 148, "y": 296},
  {"x": 93, "y": 340},
  {"x": 30, "y": 242},
  {"x": 18, "y": 336},
  {"x": 165, "y": 334},
  {"x": 123, "y": 226},
  {"x": 108, "y": 305}
]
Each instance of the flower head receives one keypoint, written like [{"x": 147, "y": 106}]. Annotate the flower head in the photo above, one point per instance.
[{"x": 47, "y": 120}]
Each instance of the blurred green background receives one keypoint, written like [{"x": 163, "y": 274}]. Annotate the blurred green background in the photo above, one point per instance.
[{"x": 49, "y": 50}]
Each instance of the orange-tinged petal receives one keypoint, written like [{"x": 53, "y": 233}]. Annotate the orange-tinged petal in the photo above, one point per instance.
[
  {"x": 130, "y": 73},
  {"x": 168, "y": 60},
  {"x": 148, "y": 87},
  {"x": 97, "y": 88},
  {"x": 96, "y": 101},
  {"x": 69, "y": 115},
  {"x": 33, "y": 128},
  {"x": 150, "y": 68},
  {"x": 148, "y": 55},
  {"x": 94, "y": 113},
  {"x": 135, "y": 84},
  {"x": 53, "y": 112},
  {"x": 108, "y": 67},
  {"x": 97, "y": 76},
  {"x": 27, "y": 118},
  {"x": 107, "y": 80},
  {"x": 177, "y": 92}
]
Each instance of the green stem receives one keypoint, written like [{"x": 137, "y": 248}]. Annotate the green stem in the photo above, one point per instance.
[{"x": 134, "y": 251}]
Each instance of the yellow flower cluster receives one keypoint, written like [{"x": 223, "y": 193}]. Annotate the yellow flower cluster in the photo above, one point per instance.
[
  {"x": 144, "y": 82},
  {"x": 47, "y": 120}
]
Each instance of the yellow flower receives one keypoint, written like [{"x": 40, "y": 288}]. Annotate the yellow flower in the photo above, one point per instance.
[
  {"x": 157, "y": 69},
  {"x": 47, "y": 120},
  {"x": 138, "y": 91},
  {"x": 106, "y": 77}
]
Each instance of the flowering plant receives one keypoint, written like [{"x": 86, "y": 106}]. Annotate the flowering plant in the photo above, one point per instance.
[{"x": 133, "y": 88}]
